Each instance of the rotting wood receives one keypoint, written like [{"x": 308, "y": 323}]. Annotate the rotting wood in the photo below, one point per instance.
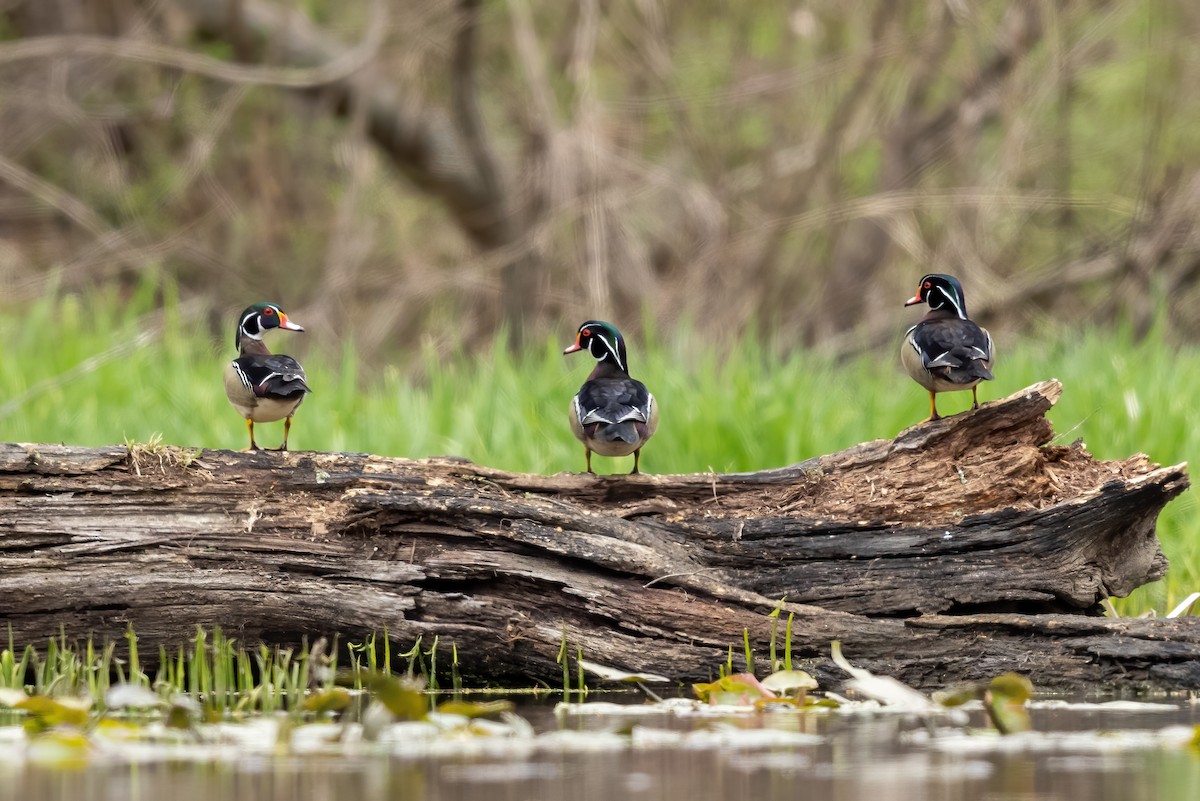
[{"x": 963, "y": 548}]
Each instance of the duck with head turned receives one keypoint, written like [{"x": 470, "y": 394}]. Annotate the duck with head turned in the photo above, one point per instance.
[
  {"x": 264, "y": 386},
  {"x": 612, "y": 414},
  {"x": 946, "y": 351}
]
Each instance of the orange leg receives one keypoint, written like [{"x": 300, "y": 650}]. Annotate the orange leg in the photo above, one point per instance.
[
  {"x": 933, "y": 414},
  {"x": 287, "y": 426},
  {"x": 250, "y": 428}
]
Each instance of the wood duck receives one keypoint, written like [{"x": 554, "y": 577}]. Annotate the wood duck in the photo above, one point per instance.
[
  {"x": 946, "y": 351},
  {"x": 262, "y": 386},
  {"x": 612, "y": 414}
]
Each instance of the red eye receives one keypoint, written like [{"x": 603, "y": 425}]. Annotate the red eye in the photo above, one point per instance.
[
  {"x": 928, "y": 285},
  {"x": 585, "y": 333},
  {"x": 270, "y": 311}
]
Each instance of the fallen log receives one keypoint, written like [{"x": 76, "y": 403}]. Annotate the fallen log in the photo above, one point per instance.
[{"x": 962, "y": 548}]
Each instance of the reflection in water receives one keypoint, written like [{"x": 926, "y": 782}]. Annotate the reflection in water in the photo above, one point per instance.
[{"x": 836, "y": 758}]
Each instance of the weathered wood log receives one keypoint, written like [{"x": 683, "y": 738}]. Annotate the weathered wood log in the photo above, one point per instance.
[{"x": 963, "y": 548}]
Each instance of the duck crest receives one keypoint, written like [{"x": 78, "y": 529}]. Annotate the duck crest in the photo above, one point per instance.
[
  {"x": 944, "y": 294},
  {"x": 248, "y": 337},
  {"x": 608, "y": 348}
]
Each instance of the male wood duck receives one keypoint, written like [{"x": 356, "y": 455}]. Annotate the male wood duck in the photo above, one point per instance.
[
  {"x": 612, "y": 414},
  {"x": 263, "y": 386},
  {"x": 946, "y": 351}
]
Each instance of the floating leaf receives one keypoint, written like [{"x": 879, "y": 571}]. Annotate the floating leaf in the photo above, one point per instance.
[
  {"x": 111, "y": 727},
  {"x": 740, "y": 689},
  {"x": 822, "y": 703},
  {"x": 46, "y": 712},
  {"x": 475, "y": 709},
  {"x": 1005, "y": 700},
  {"x": 789, "y": 682},
  {"x": 335, "y": 699},
  {"x": 613, "y": 674},
  {"x": 60, "y": 749},
  {"x": 957, "y": 696},
  {"x": 403, "y": 698},
  {"x": 183, "y": 713}
]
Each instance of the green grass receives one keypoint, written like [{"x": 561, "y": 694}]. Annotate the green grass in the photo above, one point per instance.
[{"x": 746, "y": 410}]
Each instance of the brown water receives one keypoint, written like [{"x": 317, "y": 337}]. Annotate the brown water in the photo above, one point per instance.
[{"x": 1092, "y": 754}]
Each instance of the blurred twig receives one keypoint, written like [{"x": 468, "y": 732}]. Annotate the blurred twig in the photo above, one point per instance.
[{"x": 337, "y": 68}]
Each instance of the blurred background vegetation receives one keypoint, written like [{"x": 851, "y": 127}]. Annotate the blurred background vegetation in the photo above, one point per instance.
[{"x": 442, "y": 190}]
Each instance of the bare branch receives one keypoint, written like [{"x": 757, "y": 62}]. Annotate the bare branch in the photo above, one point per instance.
[
  {"x": 53, "y": 196},
  {"x": 451, "y": 160},
  {"x": 468, "y": 116},
  {"x": 338, "y": 67}
]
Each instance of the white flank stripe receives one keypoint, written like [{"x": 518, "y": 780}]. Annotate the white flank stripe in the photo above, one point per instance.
[{"x": 245, "y": 379}]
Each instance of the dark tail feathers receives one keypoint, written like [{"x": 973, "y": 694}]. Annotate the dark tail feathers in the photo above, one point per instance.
[
  {"x": 619, "y": 432},
  {"x": 969, "y": 373}
]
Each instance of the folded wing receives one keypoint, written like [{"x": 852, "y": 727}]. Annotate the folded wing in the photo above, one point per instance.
[
  {"x": 272, "y": 376},
  {"x": 957, "y": 350}
]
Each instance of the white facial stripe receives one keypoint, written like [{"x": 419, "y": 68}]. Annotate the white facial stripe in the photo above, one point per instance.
[
  {"x": 245, "y": 326},
  {"x": 616, "y": 356},
  {"x": 948, "y": 295},
  {"x": 954, "y": 301}
]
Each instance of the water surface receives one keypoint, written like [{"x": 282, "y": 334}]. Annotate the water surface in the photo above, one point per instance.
[{"x": 1076, "y": 753}]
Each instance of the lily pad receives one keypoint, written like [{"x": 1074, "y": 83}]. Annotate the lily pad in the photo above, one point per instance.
[
  {"x": 1005, "y": 701},
  {"x": 403, "y": 698},
  {"x": 475, "y": 709},
  {"x": 335, "y": 699},
  {"x": 789, "y": 681},
  {"x": 738, "y": 689},
  {"x": 46, "y": 712}
]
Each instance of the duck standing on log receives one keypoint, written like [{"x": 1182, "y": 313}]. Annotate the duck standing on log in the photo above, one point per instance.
[
  {"x": 612, "y": 414},
  {"x": 264, "y": 386},
  {"x": 946, "y": 351}
]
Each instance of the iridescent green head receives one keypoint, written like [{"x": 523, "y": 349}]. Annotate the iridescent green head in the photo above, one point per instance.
[
  {"x": 259, "y": 318},
  {"x": 603, "y": 341},
  {"x": 941, "y": 292}
]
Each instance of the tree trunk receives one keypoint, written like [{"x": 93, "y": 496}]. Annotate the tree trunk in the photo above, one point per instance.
[{"x": 961, "y": 549}]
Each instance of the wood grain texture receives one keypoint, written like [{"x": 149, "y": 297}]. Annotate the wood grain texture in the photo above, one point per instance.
[{"x": 960, "y": 549}]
